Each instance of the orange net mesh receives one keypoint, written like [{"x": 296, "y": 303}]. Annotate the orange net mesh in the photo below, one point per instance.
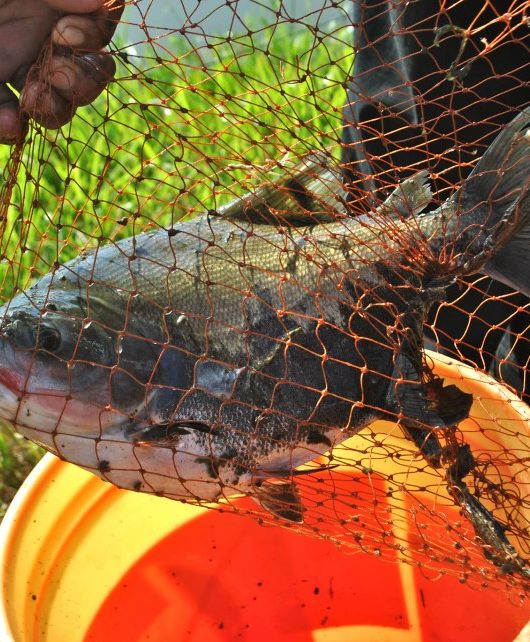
[{"x": 276, "y": 227}]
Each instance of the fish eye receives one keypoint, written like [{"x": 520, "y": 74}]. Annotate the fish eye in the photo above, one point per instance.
[{"x": 48, "y": 339}]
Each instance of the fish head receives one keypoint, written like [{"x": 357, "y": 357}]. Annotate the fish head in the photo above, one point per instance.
[{"x": 58, "y": 358}]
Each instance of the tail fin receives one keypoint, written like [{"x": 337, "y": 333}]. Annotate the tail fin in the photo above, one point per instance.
[
  {"x": 511, "y": 265},
  {"x": 496, "y": 198}
]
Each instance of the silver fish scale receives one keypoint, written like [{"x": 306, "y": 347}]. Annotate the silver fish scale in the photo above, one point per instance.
[{"x": 190, "y": 274}]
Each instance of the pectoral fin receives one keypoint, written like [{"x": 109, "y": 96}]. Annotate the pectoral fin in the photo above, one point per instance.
[
  {"x": 166, "y": 435},
  {"x": 281, "y": 499}
]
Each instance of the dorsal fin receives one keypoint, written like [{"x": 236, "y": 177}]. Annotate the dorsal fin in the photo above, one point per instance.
[
  {"x": 410, "y": 197},
  {"x": 312, "y": 191},
  {"x": 303, "y": 193}
]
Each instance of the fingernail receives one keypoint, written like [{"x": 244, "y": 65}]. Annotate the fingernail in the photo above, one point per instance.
[
  {"x": 63, "y": 75},
  {"x": 72, "y": 36}
]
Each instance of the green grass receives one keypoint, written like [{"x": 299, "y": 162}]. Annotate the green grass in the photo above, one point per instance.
[
  {"x": 175, "y": 134},
  {"x": 17, "y": 458}
]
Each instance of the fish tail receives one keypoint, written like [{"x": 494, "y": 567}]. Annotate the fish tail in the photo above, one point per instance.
[{"x": 495, "y": 198}]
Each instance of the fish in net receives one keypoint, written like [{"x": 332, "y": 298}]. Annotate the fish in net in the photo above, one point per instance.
[{"x": 257, "y": 243}]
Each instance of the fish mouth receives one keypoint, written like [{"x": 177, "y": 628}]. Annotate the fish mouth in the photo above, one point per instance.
[
  {"x": 13, "y": 368},
  {"x": 9, "y": 380},
  {"x": 11, "y": 384},
  {"x": 68, "y": 428},
  {"x": 9, "y": 396}
]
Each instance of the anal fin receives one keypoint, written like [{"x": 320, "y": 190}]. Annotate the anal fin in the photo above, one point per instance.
[
  {"x": 281, "y": 499},
  {"x": 432, "y": 404}
]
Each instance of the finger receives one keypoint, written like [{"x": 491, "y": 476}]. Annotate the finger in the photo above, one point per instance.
[
  {"x": 88, "y": 32},
  {"x": 82, "y": 32},
  {"x": 76, "y": 6},
  {"x": 45, "y": 105},
  {"x": 12, "y": 127},
  {"x": 80, "y": 79}
]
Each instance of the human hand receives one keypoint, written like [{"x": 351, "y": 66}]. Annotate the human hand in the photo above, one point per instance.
[{"x": 76, "y": 28}]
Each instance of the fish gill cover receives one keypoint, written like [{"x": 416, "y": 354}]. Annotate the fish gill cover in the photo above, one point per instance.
[{"x": 252, "y": 246}]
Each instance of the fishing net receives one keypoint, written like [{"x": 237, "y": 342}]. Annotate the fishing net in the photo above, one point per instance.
[{"x": 258, "y": 120}]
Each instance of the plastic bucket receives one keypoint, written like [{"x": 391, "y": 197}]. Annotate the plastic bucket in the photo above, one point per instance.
[{"x": 82, "y": 561}]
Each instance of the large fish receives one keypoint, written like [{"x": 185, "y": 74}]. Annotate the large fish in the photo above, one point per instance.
[{"x": 216, "y": 357}]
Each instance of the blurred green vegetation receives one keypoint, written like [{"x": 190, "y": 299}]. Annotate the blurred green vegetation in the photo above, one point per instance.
[
  {"x": 17, "y": 458},
  {"x": 179, "y": 131}
]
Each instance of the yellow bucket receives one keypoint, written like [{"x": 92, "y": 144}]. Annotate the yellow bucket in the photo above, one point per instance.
[{"x": 82, "y": 561}]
